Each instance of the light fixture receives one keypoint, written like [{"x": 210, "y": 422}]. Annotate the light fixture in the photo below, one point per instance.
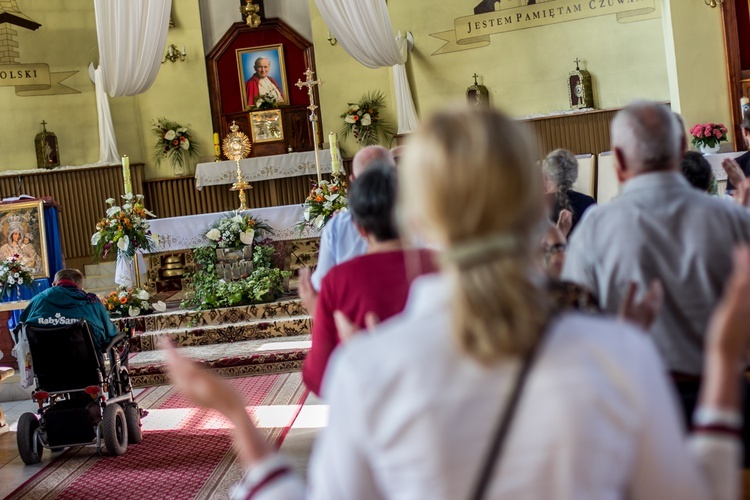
[
  {"x": 713, "y": 3},
  {"x": 173, "y": 54},
  {"x": 331, "y": 39}
]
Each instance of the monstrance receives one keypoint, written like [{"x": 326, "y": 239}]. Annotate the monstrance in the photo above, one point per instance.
[{"x": 236, "y": 147}]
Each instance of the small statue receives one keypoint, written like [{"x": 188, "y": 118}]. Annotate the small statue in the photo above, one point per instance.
[
  {"x": 478, "y": 95},
  {"x": 47, "y": 150},
  {"x": 580, "y": 89}
]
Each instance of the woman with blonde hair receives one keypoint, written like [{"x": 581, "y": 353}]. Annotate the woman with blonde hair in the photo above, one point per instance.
[{"x": 480, "y": 389}]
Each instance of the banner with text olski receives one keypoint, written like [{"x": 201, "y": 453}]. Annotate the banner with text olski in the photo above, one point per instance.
[
  {"x": 34, "y": 79},
  {"x": 471, "y": 32}
]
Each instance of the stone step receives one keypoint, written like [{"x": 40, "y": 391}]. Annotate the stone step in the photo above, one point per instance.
[
  {"x": 238, "y": 359},
  {"x": 227, "y": 333},
  {"x": 184, "y": 319}
]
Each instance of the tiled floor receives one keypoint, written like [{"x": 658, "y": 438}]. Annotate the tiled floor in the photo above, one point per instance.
[{"x": 13, "y": 472}]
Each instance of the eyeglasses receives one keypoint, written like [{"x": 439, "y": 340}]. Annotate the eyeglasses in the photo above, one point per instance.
[{"x": 550, "y": 250}]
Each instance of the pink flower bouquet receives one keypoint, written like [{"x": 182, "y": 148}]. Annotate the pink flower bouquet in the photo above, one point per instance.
[{"x": 708, "y": 135}]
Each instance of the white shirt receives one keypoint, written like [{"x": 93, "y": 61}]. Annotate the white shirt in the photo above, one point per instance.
[
  {"x": 661, "y": 228},
  {"x": 339, "y": 242},
  {"x": 411, "y": 418}
]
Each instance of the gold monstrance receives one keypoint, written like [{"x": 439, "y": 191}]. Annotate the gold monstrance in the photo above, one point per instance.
[
  {"x": 311, "y": 84},
  {"x": 236, "y": 146}
]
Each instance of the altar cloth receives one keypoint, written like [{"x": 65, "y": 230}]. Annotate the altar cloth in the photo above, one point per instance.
[
  {"x": 262, "y": 168},
  {"x": 182, "y": 233}
]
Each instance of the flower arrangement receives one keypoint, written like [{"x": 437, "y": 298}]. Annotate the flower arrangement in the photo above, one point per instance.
[
  {"x": 174, "y": 142},
  {"x": 265, "y": 284},
  {"x": 708, "y": 135},
  {"x": 322, "y": 203},
  {"x": 125, "y": 227},
  {"x": 234, "y": 231},
  {"x": 266, "y": 101},
  {"x": 14, "y": 273},
  {"x": 129, "y": 302},
  {"x": 363, "y": 120}
]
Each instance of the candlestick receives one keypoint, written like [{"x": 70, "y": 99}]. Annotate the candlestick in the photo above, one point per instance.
[
  {"x": 217, "y": 148},
  {"x": 335, "y": 156},
  {"x": 126, "y": 174}
]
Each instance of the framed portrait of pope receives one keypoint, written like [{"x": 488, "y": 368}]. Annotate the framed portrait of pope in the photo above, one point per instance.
[
  {"x": 22, "y": 236},
  {"x": 262, "y": 75}
]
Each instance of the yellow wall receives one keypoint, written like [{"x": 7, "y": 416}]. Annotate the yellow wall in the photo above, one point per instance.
[
  {"x": 67, "y": 42},
  {"x": 524, "y": 70}
]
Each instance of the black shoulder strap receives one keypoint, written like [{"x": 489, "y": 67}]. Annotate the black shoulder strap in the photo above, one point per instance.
[{"x": 501, "y": 432}]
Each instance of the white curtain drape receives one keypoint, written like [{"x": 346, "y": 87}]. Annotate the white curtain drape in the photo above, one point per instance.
[
  {"x": 132, "y": 36},
  {"x": 363, "y": 28}
]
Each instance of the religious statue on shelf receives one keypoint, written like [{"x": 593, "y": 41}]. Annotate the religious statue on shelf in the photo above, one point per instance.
[
  {"x": 580, "y": 89},
  {"x": 478, "y": 95},
  {"x": 47, "y": 151}
]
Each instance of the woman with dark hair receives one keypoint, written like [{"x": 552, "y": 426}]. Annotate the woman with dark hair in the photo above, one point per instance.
[
  {"x": 560, "y": 169},
  {"x": 696, "y": 169},
  {"x": 376, "y": 283}
]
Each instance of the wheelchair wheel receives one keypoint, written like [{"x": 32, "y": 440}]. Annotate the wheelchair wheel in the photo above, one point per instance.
[
  {"x": 27, "y": 424},
  {"x": 133, "y": 419},
  {"x": 115, "y": 429}
]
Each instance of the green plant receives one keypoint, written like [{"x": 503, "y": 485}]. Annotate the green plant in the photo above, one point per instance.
[
  {"x": 174, "y": 142},
  {"x": 265, "y": 284},
  {"x": 126, "y": 227}
]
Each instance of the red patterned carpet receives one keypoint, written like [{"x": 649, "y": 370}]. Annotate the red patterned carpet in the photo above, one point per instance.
[{"x": 186, "y": 451}]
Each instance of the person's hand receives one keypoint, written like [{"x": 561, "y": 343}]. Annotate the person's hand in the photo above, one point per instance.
[
  {"x": 306, "y": 290},
  {"x": 346, "y": 327},
  {"x": 734, "y": 171},
  {"x": 743, "y": 193},
  {"x": 565, "y": 222},
  {"x": 201, "y": 386},
  {"x": 728, "y": 328},
  {"x": 645, "y": 312}
]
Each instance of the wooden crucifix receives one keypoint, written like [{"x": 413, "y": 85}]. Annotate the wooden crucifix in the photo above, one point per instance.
[{"x": 311, "y": 84}]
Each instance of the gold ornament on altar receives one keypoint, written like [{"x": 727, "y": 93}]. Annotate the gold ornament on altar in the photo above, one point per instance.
[{"x": 236, "y": 146}]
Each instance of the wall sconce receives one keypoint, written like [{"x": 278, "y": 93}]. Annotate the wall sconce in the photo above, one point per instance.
[
  {"x": 331, "y": 39},
  {"x": 173, "y": 54},
  {"x": 713, "y": 3}
]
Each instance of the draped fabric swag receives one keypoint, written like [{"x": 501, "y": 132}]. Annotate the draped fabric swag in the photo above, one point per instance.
[
  {"x": 132, "y": 36},
  {"x": 363, "y": 28}
]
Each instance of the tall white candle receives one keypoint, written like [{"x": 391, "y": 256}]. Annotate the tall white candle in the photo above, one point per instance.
[
  {"x": 126, "y": 174},
  {"x": 335, "y": 155}
]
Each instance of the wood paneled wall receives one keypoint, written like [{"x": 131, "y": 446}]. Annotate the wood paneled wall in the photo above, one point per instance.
[
  {"x": 81, "y": 193},
  {"x": 579, "y": 133}
]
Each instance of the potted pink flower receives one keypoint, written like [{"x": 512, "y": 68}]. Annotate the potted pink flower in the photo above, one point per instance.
[{"x": 708, "y": 136}]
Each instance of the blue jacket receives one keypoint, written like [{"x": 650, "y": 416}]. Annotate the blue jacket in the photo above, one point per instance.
[{"x": 60, "y": 304}]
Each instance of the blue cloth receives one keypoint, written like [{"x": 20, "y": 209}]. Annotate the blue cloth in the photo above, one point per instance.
[
  {"x": 339, "y": 242},
  {"x": 55, "y": 259}
]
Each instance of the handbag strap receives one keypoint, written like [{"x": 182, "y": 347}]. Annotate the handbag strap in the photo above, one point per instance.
[{"x": 501, "y": 432}]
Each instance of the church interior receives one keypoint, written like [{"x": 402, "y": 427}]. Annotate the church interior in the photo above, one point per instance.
[{"x": 196, "y": 160}]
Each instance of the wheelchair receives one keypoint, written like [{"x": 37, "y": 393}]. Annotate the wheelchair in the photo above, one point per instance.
[{"x": 84, "y": 397}]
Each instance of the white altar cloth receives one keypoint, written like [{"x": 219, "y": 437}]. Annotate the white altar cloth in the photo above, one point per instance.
[
  {"x": 262, "y": 168},
  {"x": 182, "y": 233}
]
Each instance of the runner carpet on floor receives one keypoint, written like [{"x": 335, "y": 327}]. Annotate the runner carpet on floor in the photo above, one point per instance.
[{"x": 186, "y": 451}]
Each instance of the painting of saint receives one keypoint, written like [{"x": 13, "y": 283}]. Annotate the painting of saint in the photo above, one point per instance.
[
  {"x": 262, "y": 75},
  {"x": 22, "y": 236}
]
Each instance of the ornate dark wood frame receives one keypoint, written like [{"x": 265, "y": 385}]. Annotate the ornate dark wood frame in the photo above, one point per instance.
[
  {"x": 218, "y": 51},
  {"x": 734, "y": 67}
]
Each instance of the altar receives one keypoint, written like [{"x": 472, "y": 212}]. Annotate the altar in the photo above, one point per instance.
[{"x": 262, "y": 168}]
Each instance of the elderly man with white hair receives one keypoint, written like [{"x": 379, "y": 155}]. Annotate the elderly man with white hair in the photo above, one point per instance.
[
  {"x": 661, "y": 230},
  {"x": 340, "y": 240}
]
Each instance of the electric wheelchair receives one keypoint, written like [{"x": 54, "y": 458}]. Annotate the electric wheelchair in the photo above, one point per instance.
[{"x": 84, "y": 397}]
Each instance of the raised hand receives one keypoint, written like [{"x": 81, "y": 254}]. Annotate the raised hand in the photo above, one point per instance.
[
  {"x": 734, "y": 171},
  {"x": 565, "y": 222},
  {"x": 645, "y": 312}
]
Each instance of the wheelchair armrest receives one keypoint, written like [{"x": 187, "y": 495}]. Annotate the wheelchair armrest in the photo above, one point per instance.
[{"x": 115, "y": 341}]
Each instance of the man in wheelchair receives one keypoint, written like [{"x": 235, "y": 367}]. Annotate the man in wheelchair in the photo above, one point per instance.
[{"x": 83, "y": 390}]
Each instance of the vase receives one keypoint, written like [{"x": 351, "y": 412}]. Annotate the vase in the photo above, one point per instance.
[
  {"x": 709, "y": 150},
  {"x": 124, "y": 270}
]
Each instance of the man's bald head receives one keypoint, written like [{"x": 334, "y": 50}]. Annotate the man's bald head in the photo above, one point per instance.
[
  {"x": 646, "y": 137},
  {"x": 369, "y": 155}
]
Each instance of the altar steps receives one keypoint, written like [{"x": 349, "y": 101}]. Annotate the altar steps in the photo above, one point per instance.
[{"x": 232, "y": 342}]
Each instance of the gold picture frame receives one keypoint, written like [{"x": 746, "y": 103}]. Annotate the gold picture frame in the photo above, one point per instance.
[
  {"x": 276, "y": 73},
  {"x": 27, "y": 220},
  {"x": 266, "y": 126}
]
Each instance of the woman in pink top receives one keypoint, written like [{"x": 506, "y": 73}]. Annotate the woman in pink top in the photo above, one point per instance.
[{"x": 376, "y": 283}]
